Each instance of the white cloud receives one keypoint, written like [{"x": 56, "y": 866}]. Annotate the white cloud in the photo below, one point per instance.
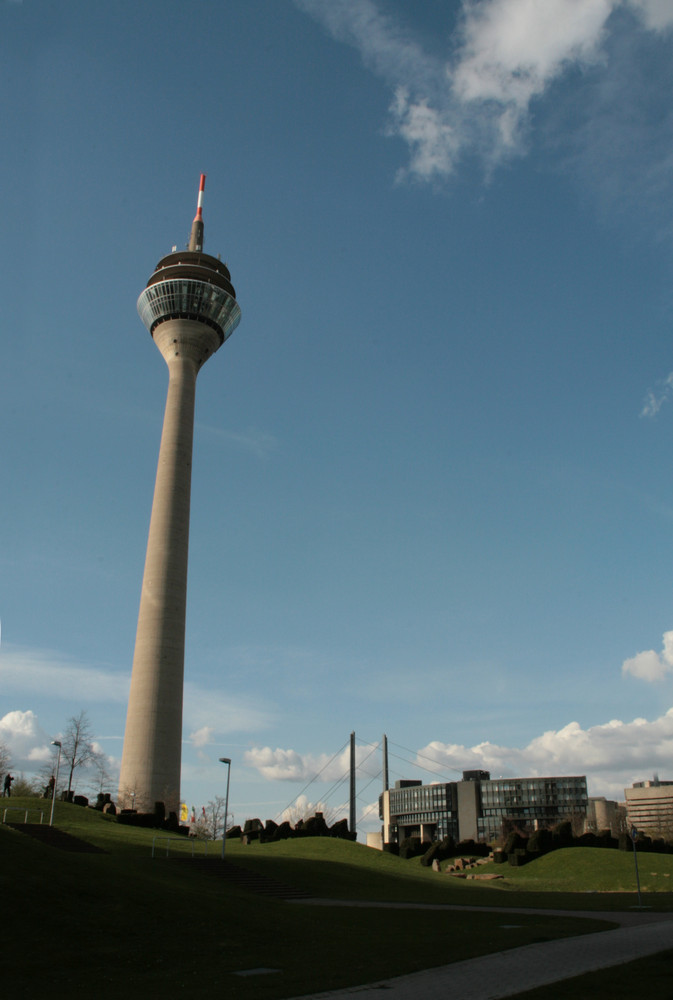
[
  {"x": 286, "y": 765},
  {"x": 303, "y": 808},
  {"x": 27, "y": 742},
  {"x": 655, "y": 398},
  {"x": 45, "y": 673},
  {"x": 650, "y": 665},
  {"x": 289, "y": 765},
  {"x": 502, "y": 56},
  {"x": 612, "y": 755},
  {"x": 434, "y": 139},
  {"x": 201, "y": 737},
  {"x": 512, "y": 49},
  {"x": 656, "y": 14}
]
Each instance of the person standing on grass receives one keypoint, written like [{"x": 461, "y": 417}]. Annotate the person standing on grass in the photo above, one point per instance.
[{"x": 7, "y": 787}]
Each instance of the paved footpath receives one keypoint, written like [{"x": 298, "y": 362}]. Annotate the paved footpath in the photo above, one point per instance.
[{"x": 506, "y": 973}]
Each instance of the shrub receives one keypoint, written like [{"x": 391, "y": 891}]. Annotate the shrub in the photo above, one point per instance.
[
  {"x": 562, "y": 834},
  {"x": 411, "y": 847},
  {"x": 431, "y": 854},
  {"x": 518, "y": 857},
  {"x": 127, "y": 817},
  {"x": 315, "y": 826},
  {"x": 448, "y": 847},
  {"x": 441, "y": 850},
  {"x": 269, "y": 832},
  {"x": 515, "y": 842},
  {"x": 252, "y": 829},
  {"x": 284, "y": 831},
  {"x": 540, "y": 841},
  {"x": 475, "y": 847},
  {"x": 340, "y": 829}
]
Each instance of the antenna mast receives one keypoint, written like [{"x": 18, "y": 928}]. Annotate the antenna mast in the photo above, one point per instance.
[{"x": 196, "y": 235}]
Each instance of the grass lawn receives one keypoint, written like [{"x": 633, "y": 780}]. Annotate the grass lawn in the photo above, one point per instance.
[{"x": 123, "y": 920}]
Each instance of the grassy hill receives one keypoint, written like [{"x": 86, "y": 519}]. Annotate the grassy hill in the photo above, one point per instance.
[{"x": 123, "y": 920}]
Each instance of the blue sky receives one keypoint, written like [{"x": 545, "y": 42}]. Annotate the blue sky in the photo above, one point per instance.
[{"x": 432, "y": 494}]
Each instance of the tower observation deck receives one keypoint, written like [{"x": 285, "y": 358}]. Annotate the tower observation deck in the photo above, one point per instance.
[{"x": 189, "y": 306}]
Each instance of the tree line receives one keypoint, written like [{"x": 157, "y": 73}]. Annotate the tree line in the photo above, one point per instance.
[{"x": 80, "y": 756}]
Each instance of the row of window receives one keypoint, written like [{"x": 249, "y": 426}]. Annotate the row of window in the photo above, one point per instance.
[{"x": 189, "y": 298}]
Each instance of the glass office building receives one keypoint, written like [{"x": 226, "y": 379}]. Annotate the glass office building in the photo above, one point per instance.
[{"x": 478, "y": 807}]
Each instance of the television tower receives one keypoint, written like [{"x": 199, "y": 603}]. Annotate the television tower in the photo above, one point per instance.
[{"x": 189, "y": 306}]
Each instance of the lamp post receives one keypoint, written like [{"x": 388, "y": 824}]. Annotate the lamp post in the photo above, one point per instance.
[
  {"x": 55, "y": 743},
  {"x": 634, "y": 838},
  {"x": 227, "y": 761}
]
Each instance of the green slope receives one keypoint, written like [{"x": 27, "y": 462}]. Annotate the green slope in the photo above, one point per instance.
[{"x": 121, "y": 920}]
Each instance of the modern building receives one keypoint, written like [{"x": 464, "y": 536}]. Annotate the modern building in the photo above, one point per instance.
[
  {"x": 649, "y": 807},
  {"x": 478, "y": 807},
  {"x": 189, "y": 307}
]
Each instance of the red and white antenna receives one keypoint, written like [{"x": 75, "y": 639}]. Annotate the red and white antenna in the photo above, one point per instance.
[
  {"x": 196, "y": 235},
  {"x": 199, "y": 202}
]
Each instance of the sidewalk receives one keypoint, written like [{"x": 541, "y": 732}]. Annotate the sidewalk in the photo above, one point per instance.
[{"x": 507, "y": 973}]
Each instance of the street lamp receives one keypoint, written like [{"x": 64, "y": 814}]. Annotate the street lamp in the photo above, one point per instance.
[
  {"x": 55, "y": 743},
  {"x": 227, "y": 761}
]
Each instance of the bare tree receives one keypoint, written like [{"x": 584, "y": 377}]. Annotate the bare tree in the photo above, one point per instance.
[
  {"x": 77, "y": 748},
  {"x": 23, "y": 787},
  {"x": 5, "y": 758},
  {"x": 101, "y": 779},
  {"x": 210, "y": 824}
]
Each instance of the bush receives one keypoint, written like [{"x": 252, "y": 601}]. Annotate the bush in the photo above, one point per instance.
[
  {"x": 411, "y": 847},
  {"x": 476, "y": 847},
  {"x": 518, "y": 857},
  {"x": 315, "y": 826},
  {"x": 515, "y": 842},
  {"x": 340, "y": 829},
  {"x": 269, "y": 832},
  {"x": 284, "y": 831},
  {"x": 431, "y": 855},
  {"x": 252, "y": 829},
  {"x": 127, "y": 817},
  {"x": 540, "y": 842},
  {"x": 441, "y": 850},
  {"x": 562, "y": 834}
]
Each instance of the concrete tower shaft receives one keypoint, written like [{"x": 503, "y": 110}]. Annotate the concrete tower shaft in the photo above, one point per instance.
[{"x": 190, "y": 309}]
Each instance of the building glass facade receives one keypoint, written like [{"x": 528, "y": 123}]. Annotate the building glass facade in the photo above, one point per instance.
[
  {"x": 426, "y": 811},
  {"x": 529, "y": 803},
  {"x": 480, "y": 808}
]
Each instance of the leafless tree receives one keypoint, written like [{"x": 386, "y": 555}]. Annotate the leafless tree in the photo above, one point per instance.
[
  {"x": 23, "y": 787},
  {"x": 101, "y": 779},
  {"x": 5, "y": 758},
  {"x": 77, "y": 748},
  {"x": 210, "y": 825}
]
